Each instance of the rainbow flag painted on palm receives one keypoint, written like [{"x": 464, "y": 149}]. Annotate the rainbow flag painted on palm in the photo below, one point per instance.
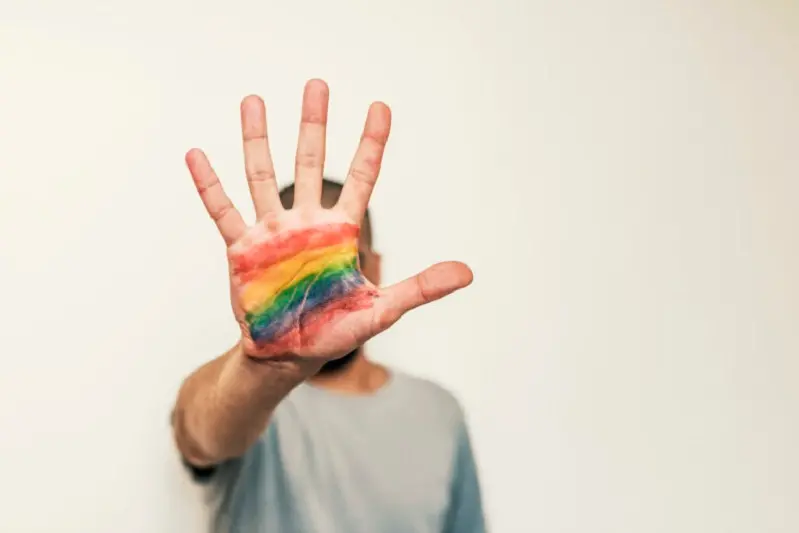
[{"x": 299, "y": 280}]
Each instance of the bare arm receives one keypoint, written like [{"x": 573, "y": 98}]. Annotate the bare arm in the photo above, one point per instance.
[{"x": 225, "y": 405}]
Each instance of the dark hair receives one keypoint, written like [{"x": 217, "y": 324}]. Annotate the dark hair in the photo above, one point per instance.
[{"x": 331, "y": 190}]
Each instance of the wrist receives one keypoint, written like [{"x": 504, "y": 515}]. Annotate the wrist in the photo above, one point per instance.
[{"x": 289, "y": 369}]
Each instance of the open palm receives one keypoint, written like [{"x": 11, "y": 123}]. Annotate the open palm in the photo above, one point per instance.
[{"x": 296, "y": 285}]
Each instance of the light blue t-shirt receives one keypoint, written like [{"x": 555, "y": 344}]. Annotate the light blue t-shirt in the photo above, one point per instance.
[{"x": 396, "y": 461}]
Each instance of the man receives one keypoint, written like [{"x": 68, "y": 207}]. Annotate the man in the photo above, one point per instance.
[{"x": 297, "y": 429}]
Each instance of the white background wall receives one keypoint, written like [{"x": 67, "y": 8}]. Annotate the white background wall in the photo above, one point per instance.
[{"x": 622, "y": 176}]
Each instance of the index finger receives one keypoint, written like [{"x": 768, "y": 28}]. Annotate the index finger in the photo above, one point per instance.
[{"x": 365, "y": 167}]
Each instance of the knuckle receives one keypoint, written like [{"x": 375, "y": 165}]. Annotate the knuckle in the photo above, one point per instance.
[
  {"x": 309, "y": 159},
  {"x": 261, "y": 174},
  {"x": 363, "y": 174},
  {"x": 423, "y": 290},
  {"x": 221, "y": 211}
]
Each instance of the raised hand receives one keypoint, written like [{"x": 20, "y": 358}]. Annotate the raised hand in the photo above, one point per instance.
[{"x": 296, "y": 285}]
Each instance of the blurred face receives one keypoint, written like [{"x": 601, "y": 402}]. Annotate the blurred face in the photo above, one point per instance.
[
  {"x": 370, "y": 266},
  {"x": 370, "y": 262}
]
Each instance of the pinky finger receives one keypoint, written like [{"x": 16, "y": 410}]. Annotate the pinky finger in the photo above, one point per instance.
[{"x": 216, "y": 202}]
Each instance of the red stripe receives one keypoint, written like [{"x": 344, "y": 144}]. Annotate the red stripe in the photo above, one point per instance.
[{"x": 289, "y": 244}]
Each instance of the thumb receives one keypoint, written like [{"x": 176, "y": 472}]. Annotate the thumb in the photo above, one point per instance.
[{"x": 429, "y": 285}]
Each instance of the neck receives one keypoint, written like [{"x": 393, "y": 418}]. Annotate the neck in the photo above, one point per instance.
[{"x": 361, "y": 376}]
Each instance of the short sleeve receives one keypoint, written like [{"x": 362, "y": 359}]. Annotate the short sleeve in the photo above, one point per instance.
[{"x": 465, "y": 513}]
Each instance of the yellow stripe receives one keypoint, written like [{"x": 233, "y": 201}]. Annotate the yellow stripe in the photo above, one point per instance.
[{"x": 261, "y": 291}]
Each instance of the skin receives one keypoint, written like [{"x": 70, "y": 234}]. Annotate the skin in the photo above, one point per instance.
[{"x": 225, "y": 405}]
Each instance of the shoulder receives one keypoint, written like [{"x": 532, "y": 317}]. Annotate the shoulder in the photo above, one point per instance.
[{"x": 431, "y": 398}]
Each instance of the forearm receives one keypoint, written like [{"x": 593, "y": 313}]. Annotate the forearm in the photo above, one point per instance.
[{"x": 225, "y": 405}]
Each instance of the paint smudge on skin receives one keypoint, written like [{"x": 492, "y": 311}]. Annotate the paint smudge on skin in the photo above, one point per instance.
[{"x": 298, "y": 281}]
